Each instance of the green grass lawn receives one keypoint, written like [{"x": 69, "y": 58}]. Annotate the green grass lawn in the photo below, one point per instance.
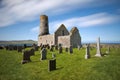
[{"x": 69, "y": 66}]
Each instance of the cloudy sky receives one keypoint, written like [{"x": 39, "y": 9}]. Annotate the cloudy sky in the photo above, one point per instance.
[{"x": 20, "y": 19}]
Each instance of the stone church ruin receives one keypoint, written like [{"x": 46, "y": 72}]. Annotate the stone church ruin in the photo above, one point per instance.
[{"x": 60, "y": 37}]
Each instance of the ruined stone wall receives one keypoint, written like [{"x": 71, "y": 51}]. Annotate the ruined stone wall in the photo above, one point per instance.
[
  {"x": 75, "y": 39},
  {"x": 64, "y": 40},
  {"x": 46, "y": 39},
  {"x": 61, "y": 31},
  {"x": 44, "y": 28}
]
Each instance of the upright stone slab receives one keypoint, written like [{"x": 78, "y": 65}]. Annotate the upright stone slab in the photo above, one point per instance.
[
  {"x": 78, "y": 47},
  {"x": 32, "y": 52},
  {"x": 56, "y": 47},
  {"x": 60, "y": 49},
  {"x": 52, "y": 65},
  {"x": 98, "y": 53},
  {"x": 71, "y": 50},
  {"x": 53, "y": 55},
  {"x": 26, "y": 57},
  {"x": 87, "y": 55},
  {"x": 66, "y": 49},
  {"x": 43, "y": 54}
]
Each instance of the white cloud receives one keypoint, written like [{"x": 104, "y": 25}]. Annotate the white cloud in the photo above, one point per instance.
[
  {"x": 24, "y": 10},
  {"x": 86, "y": 21},
  {"x": 93, "y": 20}
]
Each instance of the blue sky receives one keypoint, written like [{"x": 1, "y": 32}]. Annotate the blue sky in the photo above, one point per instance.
[{"x": 20, "y": 19}]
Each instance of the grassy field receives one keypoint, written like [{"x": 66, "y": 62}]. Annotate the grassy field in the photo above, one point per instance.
[{"x": 69, "y": 66}]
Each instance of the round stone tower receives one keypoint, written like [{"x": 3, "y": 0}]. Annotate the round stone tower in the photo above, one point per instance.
[{"x": 44, "y": 28}]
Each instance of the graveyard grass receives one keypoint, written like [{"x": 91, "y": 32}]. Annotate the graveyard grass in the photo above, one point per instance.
[{"x": 69, "y": 66}]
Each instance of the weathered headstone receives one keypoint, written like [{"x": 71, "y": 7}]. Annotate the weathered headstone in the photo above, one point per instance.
[
  {"x": 66, "y": 49},
  {"x": 87, "y": 55},
  {"x": 43, "y": 54},
  {"x": 98, "y": 53},
  {"x": 53, "y": 55},
  {"x": 56, "y": 47},
  {"x": 32, "y": 52},
  {"x": 71, "y": 50},
  {"x": 60, "y": 49},
  {"x": 52, "y": 65},
  {"x": 78, "y": 47},
  {"x": 26, "y": 57}
]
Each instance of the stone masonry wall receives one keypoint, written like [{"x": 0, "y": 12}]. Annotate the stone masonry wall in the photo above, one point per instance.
[
  {"x": 46, "y": 39},
  {"x": 64, "y": 40},
  {"x": 61, "y": 31},
  {"x": 75, "y": 39}
]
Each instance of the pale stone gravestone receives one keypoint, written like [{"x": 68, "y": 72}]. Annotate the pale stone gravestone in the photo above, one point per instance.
[
  {"x": 78, "y": 47},
  {"x": 26, "y": 57},
  {"x": 71, "y": 49},
  {"x": 98, "y": 53},
  {"x": 60, "y": 49},
  {"x": 53, "y": 55},
  {"x": 52, "y": 65},
  {"x": 87, "y": 55},
  {"x": 43, "y": 54}
]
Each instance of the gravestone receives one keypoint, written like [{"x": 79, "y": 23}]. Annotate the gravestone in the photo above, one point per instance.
[
  {"x": 98, "y": 53},
  {"x": 43, "y": 54},
  {"x": 53, "y": 55},
  {"x": 26, "y": 57},
  {"x": 87, "y": 55},
  {"x": 56, "y": 47},
  {"x": 32, "y": 52},
  {"x": 78, "y": 47},
  {"x": 52, "y": 65},
  {"x": 71, "y": 50},
  {"x": 66, "y": 49},
  {"x": 60, "y": 49},
  {"x": 48, "y": 47}
]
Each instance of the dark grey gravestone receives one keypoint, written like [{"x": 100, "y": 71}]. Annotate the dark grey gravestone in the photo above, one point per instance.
[
  {"x": 60, "y": 49},
  {"x": 52, "y": 65},
  {"x": 71, "y": 49},
  {"x": 87, "y": 55},
  {"x": 43, "y": 54},
  {"x": 56, "y": 47},
  {"x": 66, "y": 49},
  {"x": 26, "y": 57},
  {"x": 32, "y": 52}
]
